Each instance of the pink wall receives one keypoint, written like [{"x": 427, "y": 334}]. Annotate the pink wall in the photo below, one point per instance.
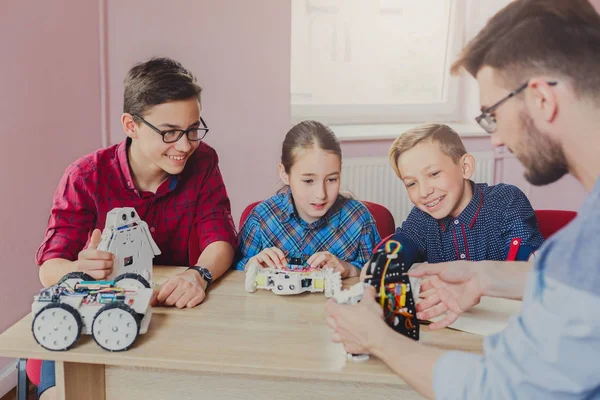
[
  {"x": 49, "y": 110},
  {"x": 240, "y": 52}
]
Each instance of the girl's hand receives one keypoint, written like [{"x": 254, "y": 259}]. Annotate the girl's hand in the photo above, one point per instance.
[
  {"x": 271, "y": 257},
  {"x": 325, "y": 259}
]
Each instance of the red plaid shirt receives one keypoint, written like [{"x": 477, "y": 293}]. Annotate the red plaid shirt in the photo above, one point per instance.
[{"x": 101, "y": 181}]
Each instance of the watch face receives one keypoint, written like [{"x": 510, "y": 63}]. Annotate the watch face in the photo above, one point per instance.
[{"x": 206, "y": 274}]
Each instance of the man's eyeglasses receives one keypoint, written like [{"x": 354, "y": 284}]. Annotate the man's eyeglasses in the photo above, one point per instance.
[
  {"x": 487, "y": 120},
  {"x": 173, "y": 135}
]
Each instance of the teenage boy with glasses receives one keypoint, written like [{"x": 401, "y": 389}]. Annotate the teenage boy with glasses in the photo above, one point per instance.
[{"x": 164, "y": 171}]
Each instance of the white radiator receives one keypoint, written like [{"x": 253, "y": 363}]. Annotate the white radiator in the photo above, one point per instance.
[{"x": 372, "y": 179}]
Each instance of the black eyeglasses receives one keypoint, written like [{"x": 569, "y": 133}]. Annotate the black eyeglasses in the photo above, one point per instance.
[
  {"x": 487, "y": 120},
  {"x": 171, "y": 136}
]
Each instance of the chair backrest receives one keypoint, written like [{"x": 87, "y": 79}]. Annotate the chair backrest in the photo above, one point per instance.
[
  {"x": 34, "y": 371},
  {"x": 382, "y": 216},
  {"x": 247, "y": 212},
  {"x": 551, "y": 221}
]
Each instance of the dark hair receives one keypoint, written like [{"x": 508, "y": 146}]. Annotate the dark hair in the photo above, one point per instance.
[
  {"x": 530, "y": 37},
  {"x": 305, "y": 135},
  {"x": 157, "y": 81}
]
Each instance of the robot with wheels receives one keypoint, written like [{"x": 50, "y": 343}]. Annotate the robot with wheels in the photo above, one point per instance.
[
  {"x": 114, "y": 311},
  {"x": 396, "y": 292},
  {"x": 292, "y": 281}
]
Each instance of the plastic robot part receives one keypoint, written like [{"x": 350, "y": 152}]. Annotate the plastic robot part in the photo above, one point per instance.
[
  {"x": 57, "y": 327},
  {"x": 395, "y": 291},
  {"x": 113, "y": 311},
  {"x": 73, "y": 278},
  {"x": 357, "y": 357},
  {"x": 128, "y": 238},
  {"x": 352, "y": 296},
  {"x": 115, "y": 327},
  {"x": 285, "y": 282}
]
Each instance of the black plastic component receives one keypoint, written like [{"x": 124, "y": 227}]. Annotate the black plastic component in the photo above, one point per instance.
[
  {"x": 69, "y": 309},
  {"x": 395, "y": 274},
  {"x": 137, "y": 317},
  {"x": 295, "y": 261},
  {"x": 75, "y": 275},
  {"x": 22, "y": 381},
  {"x": 131, "y": 275}
]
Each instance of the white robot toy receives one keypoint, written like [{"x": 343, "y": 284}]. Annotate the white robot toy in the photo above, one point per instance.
[
  {"x": 114, "y": 311},
  {"x": 292, "y": 282}
]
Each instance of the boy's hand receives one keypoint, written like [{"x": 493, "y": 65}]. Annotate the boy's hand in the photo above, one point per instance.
[
  {"x": 96, "y": 263},
  {"x": 187, "y": 289},
  {"x": 325, "y": 259},
  {"x": 271, "y": 257}
]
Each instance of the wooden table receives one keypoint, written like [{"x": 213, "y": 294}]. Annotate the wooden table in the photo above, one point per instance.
[{"x": 236, "y": 345}]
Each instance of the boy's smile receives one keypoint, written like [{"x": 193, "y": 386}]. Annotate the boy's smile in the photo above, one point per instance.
[{"x": 151, "y": 159}]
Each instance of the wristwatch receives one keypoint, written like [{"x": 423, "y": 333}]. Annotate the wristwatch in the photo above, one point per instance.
[{"x": 204, "y": 273}]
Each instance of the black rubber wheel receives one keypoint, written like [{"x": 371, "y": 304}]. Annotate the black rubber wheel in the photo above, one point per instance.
[{"x": 75, "y": 275}]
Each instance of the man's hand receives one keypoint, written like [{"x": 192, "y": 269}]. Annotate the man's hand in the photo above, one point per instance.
[
  {"x": 451, "y": 288},
  {"x": 271, "y": 257},
  {"x": 96, "y": 263},
  {"x": 359, "y": 327},
  {"x": 187, "y": 289},
  {"x": 325, "y": 259}
]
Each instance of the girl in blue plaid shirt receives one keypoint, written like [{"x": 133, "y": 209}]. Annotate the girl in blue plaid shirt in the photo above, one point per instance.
[{"x": 309, "y": 219}]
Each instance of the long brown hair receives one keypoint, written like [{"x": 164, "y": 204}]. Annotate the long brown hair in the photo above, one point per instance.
[{"x": 306, "y": 135}]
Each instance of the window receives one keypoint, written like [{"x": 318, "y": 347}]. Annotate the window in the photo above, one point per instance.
[{"x": 375, "y": 61}]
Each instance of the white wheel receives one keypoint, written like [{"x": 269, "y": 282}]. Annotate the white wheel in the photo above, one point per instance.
[
  {"x": 57, "y": 326},
  {"x": 115, "y": 327},
  {"x": 132, "y": 281},
  {"x": 251, "y": 272}
]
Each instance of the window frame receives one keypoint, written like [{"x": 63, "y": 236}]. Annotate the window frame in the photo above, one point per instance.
[{"x": 448, "y": 110}]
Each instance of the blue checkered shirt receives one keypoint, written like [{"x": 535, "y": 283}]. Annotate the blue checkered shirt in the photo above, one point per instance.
[
  {"x": 347, "y": 231},
  {"x": 483, "y": 231}
]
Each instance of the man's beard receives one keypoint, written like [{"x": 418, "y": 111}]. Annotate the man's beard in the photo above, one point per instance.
[{"x": 542, "y": 157}]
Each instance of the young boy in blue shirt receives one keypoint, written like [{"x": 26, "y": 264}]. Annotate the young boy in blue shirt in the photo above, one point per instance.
[{"x": 455, "y": 218}]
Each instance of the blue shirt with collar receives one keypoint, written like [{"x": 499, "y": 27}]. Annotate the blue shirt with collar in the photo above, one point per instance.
[
  {"x": 347, "y": 231},
  {"x": 495, "y": 217}
]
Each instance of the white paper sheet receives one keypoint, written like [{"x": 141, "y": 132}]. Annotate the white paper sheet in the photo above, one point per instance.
[{"x": 490, "y": 316}]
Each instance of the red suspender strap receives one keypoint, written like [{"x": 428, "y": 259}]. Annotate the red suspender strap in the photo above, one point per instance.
[{"x": 513, "y": 249}]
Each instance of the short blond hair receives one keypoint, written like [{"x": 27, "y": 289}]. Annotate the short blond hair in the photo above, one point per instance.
[{"x": 448, "y": 140}]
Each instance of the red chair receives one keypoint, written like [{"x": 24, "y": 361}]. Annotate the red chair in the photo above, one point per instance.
[
  {"x": 551, "y": 221},
  {"x": 382, "y": 216},
  {"x": 247, "y": 212}
]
